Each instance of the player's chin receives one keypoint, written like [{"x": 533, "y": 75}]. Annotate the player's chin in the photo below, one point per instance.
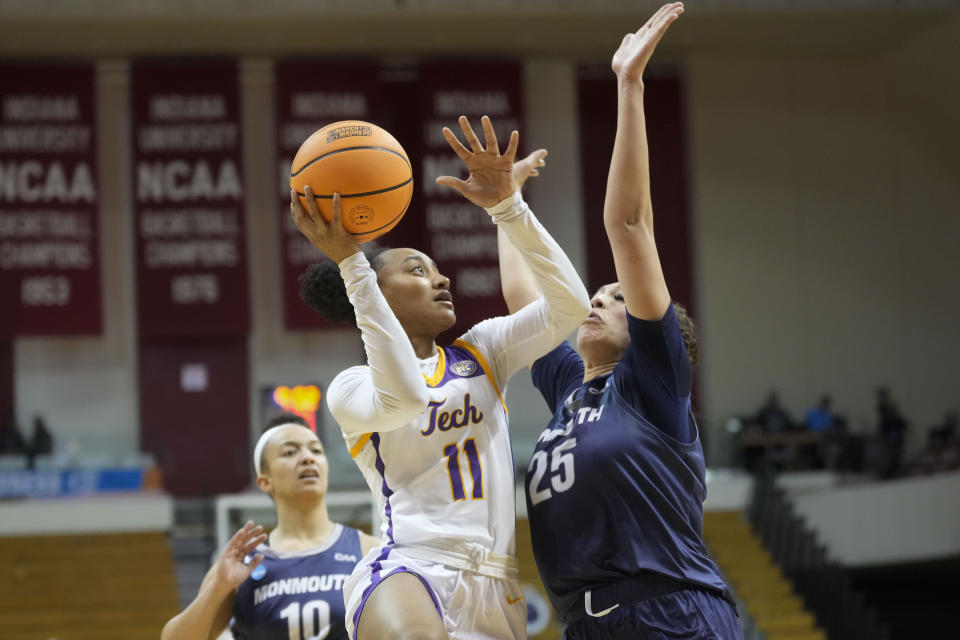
[
  {"x": 315, "y": 489},
  {"x": 444, "y": 318},
  {"x": 590, "y": 332},
  {"x": 311, "y": 483},
  {"x": 591, "y": 335}
]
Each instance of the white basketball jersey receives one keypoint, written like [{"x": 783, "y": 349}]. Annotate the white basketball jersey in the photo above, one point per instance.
[
  {"x": 437, "y": 457},
  {"x": 447, "y": 477}
]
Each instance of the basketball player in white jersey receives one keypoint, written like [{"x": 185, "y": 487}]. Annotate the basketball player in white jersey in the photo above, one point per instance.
[{"x": 427, "y": 425}]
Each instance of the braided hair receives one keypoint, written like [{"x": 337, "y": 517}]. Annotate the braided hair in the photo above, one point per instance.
[{"x": 322, "y": 288}]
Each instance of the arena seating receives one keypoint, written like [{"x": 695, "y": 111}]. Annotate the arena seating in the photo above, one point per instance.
[
  {"x": 779, "y": 614},
  {"x": 117, "y": 586}
]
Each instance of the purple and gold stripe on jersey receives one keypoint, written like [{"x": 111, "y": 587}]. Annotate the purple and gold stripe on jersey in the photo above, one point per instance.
[
  {"x": 361, "y": 443},
  {"x": 455, "y": 361},
  {"x": 459, "y": 360},
  {"x": 470, "y": 353}
]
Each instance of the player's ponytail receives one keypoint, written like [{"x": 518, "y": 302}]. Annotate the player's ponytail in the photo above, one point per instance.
[
  {"x": 322, "y": 288},
  {"x": 688, "y": 332}
]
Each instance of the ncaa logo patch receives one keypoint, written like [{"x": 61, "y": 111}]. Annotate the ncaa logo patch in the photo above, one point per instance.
[
  {"x": 259, "y": 572},
  {"x": 464, "y": 368}
]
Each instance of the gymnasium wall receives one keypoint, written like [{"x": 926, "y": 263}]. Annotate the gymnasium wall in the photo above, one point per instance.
[
  {"x": 824, "y": 195},
  {"x": 907, "y": 520},
  {"x": 86, "y": 386},
  {"x": 825, "y": 199}
]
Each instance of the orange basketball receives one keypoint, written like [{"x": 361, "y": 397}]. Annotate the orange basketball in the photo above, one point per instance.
[{"x": 366, "y": 166}]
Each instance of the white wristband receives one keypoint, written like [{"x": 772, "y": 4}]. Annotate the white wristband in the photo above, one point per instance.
[{"x": 506, "y": 207}]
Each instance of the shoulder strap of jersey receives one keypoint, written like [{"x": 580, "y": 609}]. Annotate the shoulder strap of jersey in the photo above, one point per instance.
[{"x": 473, "y": 351}]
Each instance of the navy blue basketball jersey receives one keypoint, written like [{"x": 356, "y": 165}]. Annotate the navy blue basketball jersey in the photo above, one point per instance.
[
  {"x": 298, "y": 595},
  {"x": 616, "y": 484}
]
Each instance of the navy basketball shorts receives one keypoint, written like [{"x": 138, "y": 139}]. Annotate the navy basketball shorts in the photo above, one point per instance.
[{"x": 689, "y": 614}]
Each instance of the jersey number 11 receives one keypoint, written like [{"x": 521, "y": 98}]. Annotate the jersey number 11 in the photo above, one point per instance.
[{"x": 452, "y": 453}]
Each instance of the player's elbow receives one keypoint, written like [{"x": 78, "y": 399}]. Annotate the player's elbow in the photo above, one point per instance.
[
  {"x": 404, "y": 407},
  {"x": 576, "y": 307},
  {"x": 563, "y": 319},
  {"x": 517, "y": 298},
  {"x": 582, "y": 298},
  {"x": 624, "y": 224},
  {"x": 382, "y": 412}
]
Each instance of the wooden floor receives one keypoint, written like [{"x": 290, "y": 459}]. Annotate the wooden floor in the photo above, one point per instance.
[{"x": 86, "y": 587}]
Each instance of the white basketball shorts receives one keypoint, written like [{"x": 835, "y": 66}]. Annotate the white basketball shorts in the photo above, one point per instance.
[{"x": 483, "y": 602}]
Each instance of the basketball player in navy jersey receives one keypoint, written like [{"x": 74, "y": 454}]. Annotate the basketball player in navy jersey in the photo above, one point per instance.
[
  {"x": 615, "y": 487},
  {"x": 288, "y": 585}
]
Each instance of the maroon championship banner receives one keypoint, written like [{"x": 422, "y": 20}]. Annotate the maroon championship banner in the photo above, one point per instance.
[
  {"x": 666, "y": 135},
  {"x": 49, "y": 255},
  {"x": 310, "y": 95},
  {"x": 188, "y": 200},
  {"x": 459, "y": 235}
]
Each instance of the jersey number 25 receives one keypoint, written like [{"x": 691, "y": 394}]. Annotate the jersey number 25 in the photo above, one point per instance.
[{"x": 561, "y": 471}]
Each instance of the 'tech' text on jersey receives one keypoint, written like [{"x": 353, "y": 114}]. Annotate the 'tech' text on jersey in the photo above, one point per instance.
[{"x": 449, "y": 471}]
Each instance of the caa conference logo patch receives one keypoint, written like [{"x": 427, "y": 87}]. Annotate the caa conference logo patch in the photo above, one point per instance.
[
  {"x": 464, "y": 368},
  {"x": 259, "y": 572}
]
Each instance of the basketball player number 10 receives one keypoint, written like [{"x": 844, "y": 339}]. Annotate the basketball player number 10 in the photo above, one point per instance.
[
  {"x": 312, "y": 622},
  {"x": 452, "y": 453}
]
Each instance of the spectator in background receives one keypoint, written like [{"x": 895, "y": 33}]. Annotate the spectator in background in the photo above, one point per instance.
[
  {"x": 820, "y": 417},
  {"x": 891, "y": 431},
  {"x": 942, "y": 452},
  {"x": 41, "y": 441},
  {"x": 772, "y": 417}
]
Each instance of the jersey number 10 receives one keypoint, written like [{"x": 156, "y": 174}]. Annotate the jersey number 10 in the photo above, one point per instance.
[
  {"x": 452, "y": 453},
  {"x": 310, "y": 623}
]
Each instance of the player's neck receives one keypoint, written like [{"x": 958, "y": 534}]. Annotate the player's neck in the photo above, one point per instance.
[
  {"x": 424, "y": 346},
  {"x": 300, "y": 527},
  {"x": 600, "y": 356},
  {"x": 591, "y": 371}
]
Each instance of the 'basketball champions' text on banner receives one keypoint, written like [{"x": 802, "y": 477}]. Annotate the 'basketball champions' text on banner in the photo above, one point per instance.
[
  {"x": 188, "y": 199},
  {"x": 49, "y": 201},
  {"x": 309, "y": 96},
  {"x": 462, "y": 239}
]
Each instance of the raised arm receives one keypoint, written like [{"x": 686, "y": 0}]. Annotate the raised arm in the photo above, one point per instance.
[
  {"x": 516, "y": 282},
  {"x": 528, "y": 334},
  {"x": 209, "y": 614},
  {"x": 627, "y": 208},
  {"x": 391, "y": 391}
]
